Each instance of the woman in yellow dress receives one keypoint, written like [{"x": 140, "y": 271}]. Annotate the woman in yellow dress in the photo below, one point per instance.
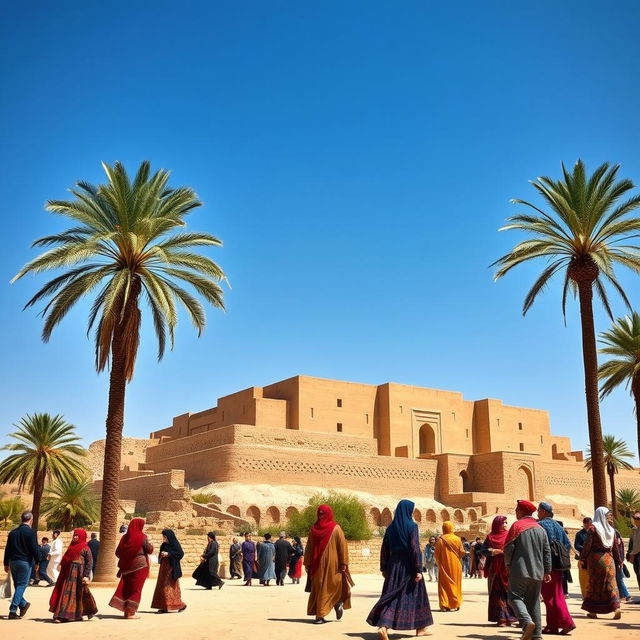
[{"x": 449, "y": 551}]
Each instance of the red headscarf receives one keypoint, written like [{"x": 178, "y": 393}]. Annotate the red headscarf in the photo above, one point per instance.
[
  {"x": 131, "y": 543},
  {"x": 498, "y": 535},
  {"x": 71, "y": 554},
  {"x": 320, "y": 534}
]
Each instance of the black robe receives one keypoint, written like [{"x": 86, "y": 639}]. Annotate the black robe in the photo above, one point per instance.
[
  {"x": 206, "y": 574},
  {"x": 284, "y": 550}
]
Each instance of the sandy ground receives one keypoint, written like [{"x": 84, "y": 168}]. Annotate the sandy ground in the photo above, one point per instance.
[{"x": 241, "y": 613}]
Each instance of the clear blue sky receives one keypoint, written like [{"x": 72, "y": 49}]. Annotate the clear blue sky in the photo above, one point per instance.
[{"x": 356, "y": 158}]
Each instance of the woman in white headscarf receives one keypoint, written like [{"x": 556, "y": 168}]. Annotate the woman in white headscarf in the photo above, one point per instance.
[{"x": 598, "y": 559}]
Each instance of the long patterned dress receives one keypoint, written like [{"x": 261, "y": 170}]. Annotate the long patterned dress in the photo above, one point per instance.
[
  {"x": 602, "y": 590},
  {"x": 500, "y": 610},
  {"x": 167, "y": 595},
  {"x": 404, "y": 604},
  {"x": 76, "y": 599}
]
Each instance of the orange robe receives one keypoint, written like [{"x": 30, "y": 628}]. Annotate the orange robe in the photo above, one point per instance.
[
  {"x": 328, "y": 586},
  {"x": 448, "y": 552}
]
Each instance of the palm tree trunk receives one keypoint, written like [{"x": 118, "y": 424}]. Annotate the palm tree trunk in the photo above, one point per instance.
[
  {"x": 38, "y": 490},
  {"x": 590, "y": 359},
  {"x": 612, "y": 485},
  {"x": 110, "y": 505}
]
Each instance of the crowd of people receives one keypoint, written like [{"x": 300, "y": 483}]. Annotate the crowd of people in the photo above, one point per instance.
[{"x": 525, "y": 563}]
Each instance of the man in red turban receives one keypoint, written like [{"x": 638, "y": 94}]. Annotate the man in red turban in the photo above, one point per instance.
[{"x": 527, "y": 555}]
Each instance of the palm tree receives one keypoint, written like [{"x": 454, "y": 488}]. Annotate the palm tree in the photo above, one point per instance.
[
  {"x": 70, "y": 502},
  {"x": 123, "y": 247},
  {"x": 585, "y": 233},
  {"x": 10, "y": 510},
  {"x": 628, "y": 501},
  {"x": 47, "y": 449},
  {"x": 622, "y": 342},
  {"x": 615, "y": 454}
]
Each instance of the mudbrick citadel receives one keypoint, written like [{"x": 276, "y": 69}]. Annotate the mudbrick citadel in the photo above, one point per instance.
[{"x": 262, "y": 452}]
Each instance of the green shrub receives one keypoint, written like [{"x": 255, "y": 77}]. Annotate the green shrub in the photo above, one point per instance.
[
  {"x": 202, "y": 498},
  {"x": 428, "y": 533},
  {"x": 348, "y": 512},
  {"x": 624, "y": 527},
  {"x": 273, "y": 529}
]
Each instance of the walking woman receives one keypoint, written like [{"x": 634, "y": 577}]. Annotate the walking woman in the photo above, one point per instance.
[
  {"x": 295, "y": 564},
  {"x": 497, "y": 575},
  {"x": 235, "y": 559},
  {"x": 326, "y": 560},
  {"x": 206, "y": 574},
  {"x": 167, "y": 596},
  {"x": 133, "y": 569},
  {"x": 71, "y": 598},
  {"x": 404, "y": 604},
  {"x": 597, "y": 557},
  {"x": 248, "y": 559},
  {"x": 430, "y": 565},
  {"x": 449, "y": 552}
]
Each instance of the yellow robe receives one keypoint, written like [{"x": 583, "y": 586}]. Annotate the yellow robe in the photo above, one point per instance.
[
  {"x": 328, "y": 586},
  {"x": 448, "y": 552}
]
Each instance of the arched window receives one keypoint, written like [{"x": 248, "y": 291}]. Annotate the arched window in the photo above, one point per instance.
[
  {"x": 427, "y": 439},
  {"x": 431, "y": 515},
  {"x": 233, "y": 510},
  {"x": 253, "y": 513},
  {"x": 473, "y": 515},
  {"x": 444, "y": 515},
  {"x": 386, "y": 517},
  {"x": 417, "y": 516},
  {"x": 291, "y": 511},
  {"x": 465, "y": 482},
  {"x": 374, "y": 514},
  {"x": 273, "y": 515},
  {"x": 458, "y": 517},
  {"x": 524, "y": 483}
]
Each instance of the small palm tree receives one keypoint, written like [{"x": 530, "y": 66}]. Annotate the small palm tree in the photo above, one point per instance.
[
  {"x": 46, "y": 450},
  {"x": 616, "y": 454},
  {"x": 628, "y": 501},
  {"x": 125, "y": 250},
  {"x": 583, "y": 235},
  {"x": 622, "y": 342},
  {"x": 69, "y": 503},
  {"x": 10, "y": 510}
]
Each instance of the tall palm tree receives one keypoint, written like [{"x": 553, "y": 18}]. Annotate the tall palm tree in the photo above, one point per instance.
[
  {"x": 586, "y": 231},
  {"x": 616, "y": 454},
  {"x": 47, "y": 449},
  {"x": 70, "y": 502},
  {"x": 125, "y": 248},
  {"x": 622, "y": 342},
  {"x": 628, "y": 501}
]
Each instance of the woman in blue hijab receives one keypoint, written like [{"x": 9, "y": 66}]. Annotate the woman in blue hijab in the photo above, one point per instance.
[{"x": 404, "y": 604}]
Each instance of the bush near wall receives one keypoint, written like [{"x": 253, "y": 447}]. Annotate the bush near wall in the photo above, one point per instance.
[{"x": 348, "y": 511}]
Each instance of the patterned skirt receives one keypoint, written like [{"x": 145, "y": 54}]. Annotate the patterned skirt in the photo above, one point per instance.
[
  {"x": 129, "y": 592},
  {"x": 602, "y": 590},
  {"x": 75, "y": 600},
  {"x": 500, "y": 610},
  {"x": 167, "y": 594},
  {"x": 404, "y": 604}
]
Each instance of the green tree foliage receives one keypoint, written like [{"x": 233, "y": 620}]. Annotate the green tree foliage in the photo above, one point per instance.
[
  {"x": 70, "y": 503},
  {"x": 10, "y": 511},
  {"x": 616, "y": 454},
  {"x": 628, "y": 501},
  {"x": 622, "y": 344},
  {"x": 202, "y": 498},
  {"x": 46, "y": 451},
  {"x": 348, "y": 511},
  {"x": 586, "y": 230}
]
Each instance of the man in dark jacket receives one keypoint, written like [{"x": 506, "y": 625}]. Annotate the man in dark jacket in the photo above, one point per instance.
[
  {"x": 20, "y": 554},
  {"x": 43, "y": 563},
  {"x": 94, "y": 547},
  {"x": 527, "y": 555},
  {"x": 284, "y": 550}
]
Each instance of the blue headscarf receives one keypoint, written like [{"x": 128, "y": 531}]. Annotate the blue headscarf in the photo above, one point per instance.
[{"x": 398, "y": 533}]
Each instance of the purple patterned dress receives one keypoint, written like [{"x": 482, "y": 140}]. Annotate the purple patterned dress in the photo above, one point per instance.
[{"x": 404, "y": 604}]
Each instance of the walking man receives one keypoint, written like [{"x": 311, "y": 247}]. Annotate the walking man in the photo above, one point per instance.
[
  {"x": 633, "y": 553},
  {"x": 527, "y": 555},
  {"x": 466, "y": 558},
  {"x": 558, "y": 616},
  {"x": 94, "y": 547},
  {"x": 284, "y": 551},
  {"x": 578, "y": 545},
  {"x": 43, "y": 559},
  {"x": 56, "y": 554},
  {"x": 20, "y": 555}
]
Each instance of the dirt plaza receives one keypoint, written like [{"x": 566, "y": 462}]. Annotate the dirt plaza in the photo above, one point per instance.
[{"x": 278, "y": 613}]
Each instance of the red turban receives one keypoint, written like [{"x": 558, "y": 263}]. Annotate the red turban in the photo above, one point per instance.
[{"x": 526, "y": 506}]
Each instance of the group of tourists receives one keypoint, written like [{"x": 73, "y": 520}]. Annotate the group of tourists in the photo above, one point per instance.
[{"x": 523, "y": 564}]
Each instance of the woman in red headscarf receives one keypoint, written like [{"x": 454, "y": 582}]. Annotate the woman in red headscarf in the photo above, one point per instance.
[
  {"x": 71, "y": 598},
  {"x": 497, "y": 575},
  {"x": 326, "y": 560},
  {"x": 133, "y": 564}
]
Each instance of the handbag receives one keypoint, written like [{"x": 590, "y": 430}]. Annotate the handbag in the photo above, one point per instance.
[
  {"x": 625, "y": 571},
  {"x": 5, "y": 587}
]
